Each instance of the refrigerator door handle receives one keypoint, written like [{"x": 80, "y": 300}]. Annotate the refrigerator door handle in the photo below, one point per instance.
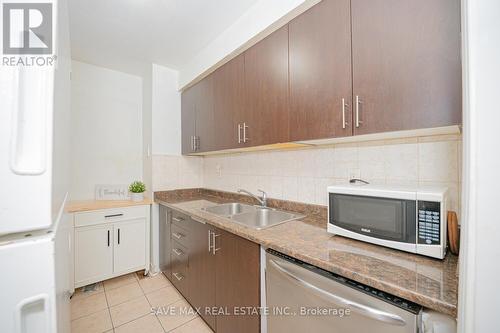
[
  {"x": 22, "y": 309},
  {"x": 31, "y": 120},
  {"x": 362, "y": 309}
]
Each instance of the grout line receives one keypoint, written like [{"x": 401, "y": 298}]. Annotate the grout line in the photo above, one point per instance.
[{"x": 134, "y": 299}]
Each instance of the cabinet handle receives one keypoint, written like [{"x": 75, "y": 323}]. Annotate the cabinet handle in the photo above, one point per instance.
[
  {"x": 239, "y": 133},
  {"x": 209, "y": 241},
  {"x": 177, "y": 235},
  {"x": 344, "y": 122},
  {"x": 118, "y": 236},
  {"x": 108, "y": 238},
  {"x": 214, "y": 243},
  {"x": 113, "y": 215},
  {"x": 177, "y": 219},
  {"x": 192, "y": 143},
  {"x": 177, "y": 252},
  {"x": 197, "y": 143},
  {"x": 358, "y": 101},
  {"x": 245, "y": 126},
  {"x": 178, "y": 276}
]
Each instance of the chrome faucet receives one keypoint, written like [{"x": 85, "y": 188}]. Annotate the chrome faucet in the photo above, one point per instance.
[{"x": 262, "y": 200}]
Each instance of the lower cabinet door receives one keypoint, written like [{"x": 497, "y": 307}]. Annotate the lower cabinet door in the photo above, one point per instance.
[
  {"x": 129, "y": 245},
  {"x": 93, "y": 253},
  {"x": 237, "y": 283},
  {"x": 202, "y": 271}
]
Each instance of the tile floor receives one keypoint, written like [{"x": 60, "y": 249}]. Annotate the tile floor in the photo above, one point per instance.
[{"x": 124, "y": 305}]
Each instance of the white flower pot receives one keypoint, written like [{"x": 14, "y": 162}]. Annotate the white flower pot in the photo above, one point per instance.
[{"x": 137, "y": 196}]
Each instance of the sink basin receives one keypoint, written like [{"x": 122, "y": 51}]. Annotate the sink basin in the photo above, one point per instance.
[
  {"x": 229, "y": 209},
  {"x": 262, "y": 218},
  {"x": 252, "y": 216}
]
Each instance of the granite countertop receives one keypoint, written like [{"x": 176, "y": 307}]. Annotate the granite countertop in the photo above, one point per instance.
[
  {"x": 88, "y": 205},
  {"x": 429, "y": 282}
]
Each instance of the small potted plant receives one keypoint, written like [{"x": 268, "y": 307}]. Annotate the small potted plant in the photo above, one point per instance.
[{"x": 137, "y": 189}]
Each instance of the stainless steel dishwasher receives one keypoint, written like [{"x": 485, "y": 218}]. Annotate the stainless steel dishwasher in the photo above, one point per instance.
[{"x": 303, "y": 298}]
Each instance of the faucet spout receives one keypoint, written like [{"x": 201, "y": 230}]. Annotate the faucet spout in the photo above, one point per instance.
[{"x": 262, "y": 200}]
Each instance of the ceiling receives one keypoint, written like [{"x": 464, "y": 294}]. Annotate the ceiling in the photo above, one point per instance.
[{"x": 128, "y": 35}]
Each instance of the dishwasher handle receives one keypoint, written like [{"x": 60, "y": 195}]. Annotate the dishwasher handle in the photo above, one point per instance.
[{"x": 367, "y": 311}]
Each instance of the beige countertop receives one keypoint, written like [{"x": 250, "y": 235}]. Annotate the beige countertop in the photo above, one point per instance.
[
  {"x": 87, "y": 205},
  {"x": 429, "y": 282}
]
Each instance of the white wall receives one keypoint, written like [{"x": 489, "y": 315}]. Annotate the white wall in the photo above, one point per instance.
[
  {"x": 147, "y": 129},
  {"x": 166, "y": 112},
  {"x": 106, "y": 128},
  {"x": 479, "y": 291},
  {"x": 259, "y": 21},
  {"x": 171, "y": 170}
]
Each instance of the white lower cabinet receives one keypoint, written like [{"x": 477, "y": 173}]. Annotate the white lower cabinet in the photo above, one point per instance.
[
  {"x": 129, "y": 236},
  {"x": 110, "y": 243},
  {"x": 93, "y": 252}
]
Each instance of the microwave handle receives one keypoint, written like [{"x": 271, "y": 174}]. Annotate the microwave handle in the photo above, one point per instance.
[{"x": 362, "y": 309}]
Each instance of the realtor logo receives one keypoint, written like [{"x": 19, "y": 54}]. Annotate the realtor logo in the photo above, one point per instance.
[{"x": 27, "y": 28}]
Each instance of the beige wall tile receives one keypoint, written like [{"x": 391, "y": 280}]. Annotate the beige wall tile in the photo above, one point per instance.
[
  {"x": 128, "y": 311},
  {"x": 124, "y": 293},
  {"x": 290, "y": 188},
  {"x": 438, "y": 161},
  {"x": 401, "y": 162},
  {"x": 95, "y": 323},
  {"x": 306, "y": 190}
]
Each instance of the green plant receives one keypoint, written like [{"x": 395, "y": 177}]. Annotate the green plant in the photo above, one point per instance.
[{"x": 137, "y": 187}]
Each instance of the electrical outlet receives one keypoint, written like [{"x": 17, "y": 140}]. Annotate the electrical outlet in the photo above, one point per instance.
[{"x": 354, "y": 173}]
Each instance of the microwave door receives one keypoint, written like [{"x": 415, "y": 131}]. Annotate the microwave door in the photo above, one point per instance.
[{"x": 382, "y": 218}]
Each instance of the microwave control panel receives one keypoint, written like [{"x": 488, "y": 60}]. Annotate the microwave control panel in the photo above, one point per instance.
[{"x": 429, "y": 222}]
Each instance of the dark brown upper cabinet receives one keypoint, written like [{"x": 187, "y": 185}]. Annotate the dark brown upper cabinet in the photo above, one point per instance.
[
  {"x": 229, "y": 104},
  {"x": 406, "y": 64},
  {"x": 265, "y": 116},
  {"x": 320, "y": 72},
  {"x": 188, "y": 119},
  {"x": 197, "y": 108}
]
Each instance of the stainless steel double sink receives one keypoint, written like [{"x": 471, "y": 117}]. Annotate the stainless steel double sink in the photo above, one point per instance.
[{"x": 256, "y": 217}]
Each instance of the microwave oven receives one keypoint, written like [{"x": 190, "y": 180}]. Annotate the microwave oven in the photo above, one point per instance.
[{"x": 404, "y": 218}]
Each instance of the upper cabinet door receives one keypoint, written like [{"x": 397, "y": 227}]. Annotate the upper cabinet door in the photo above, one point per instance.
[
  {"x": 229, "y": 101},
  {"x": 320, "y": 72},
  {"x": 188, "y": 114},
  {"x": 406, "y": 64},
  {"x": 266, "y": 86},
  {"x": 204, "y": 124}
]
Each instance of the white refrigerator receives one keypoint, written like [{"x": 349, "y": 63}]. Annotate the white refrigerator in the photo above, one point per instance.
[{"x": 35, "y": 233}]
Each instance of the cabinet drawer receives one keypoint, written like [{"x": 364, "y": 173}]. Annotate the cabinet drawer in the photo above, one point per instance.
[
  {"x": 180, "y": 235},
  {"x": 110, "y": 215},
  {"x": 180, "y": 219},
  {"x": 179, "y": 277},
  {"x": 179, "y": 253}
]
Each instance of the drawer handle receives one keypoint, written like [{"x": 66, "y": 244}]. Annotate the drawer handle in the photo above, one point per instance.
[
  {"x": 177, "y": 235},
  {"x": 113, "y": 215},
  {"x": 177, "y": 252},
  {"x": 178, "y": 276},
  {"x": 177, "y": 219}
]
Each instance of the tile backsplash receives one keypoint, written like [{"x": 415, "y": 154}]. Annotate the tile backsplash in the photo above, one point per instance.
[{"x": 303, "y": 174}]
